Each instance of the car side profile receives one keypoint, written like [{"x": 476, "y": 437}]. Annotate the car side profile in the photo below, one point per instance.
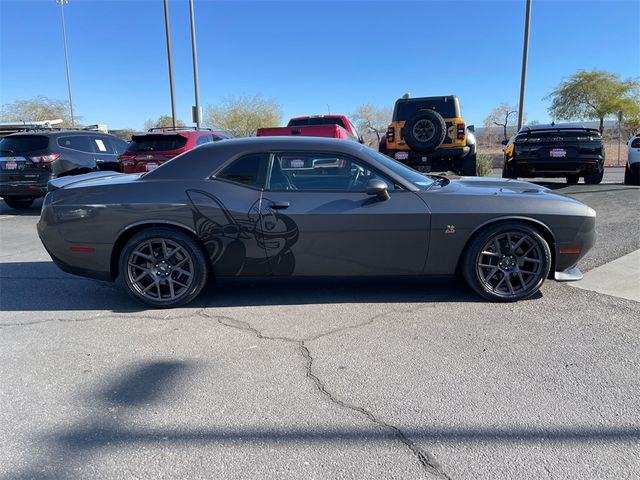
[
  {"x": 567, "y": 150},
  {"x": 148, "y": 150},
  {"x": 308, "y": 207},
  {"x": 28, "y": 160}
]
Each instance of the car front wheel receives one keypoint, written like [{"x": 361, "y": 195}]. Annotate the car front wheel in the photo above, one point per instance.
[
  {"x": 507, "y": 262},
  {"x": 163, "y": 267}
]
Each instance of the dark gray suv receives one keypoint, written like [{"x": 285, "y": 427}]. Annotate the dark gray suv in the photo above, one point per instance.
[{"x": 28, "y": 160}]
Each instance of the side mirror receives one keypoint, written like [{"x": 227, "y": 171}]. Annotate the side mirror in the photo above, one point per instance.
[
  {"x": 504, "y": 142},
  {"x": 379, "y": 189},
  {"x": 471, "y": 128}
]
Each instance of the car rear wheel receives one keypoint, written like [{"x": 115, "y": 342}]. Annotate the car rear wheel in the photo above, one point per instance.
[
  {"x": 632, "y": 177},
  {"x": 507, "y": 262},
  {"x": 594, "y": 178},
  {"x": 163, "y": 267},
  {"x": 573, "y": 179},
  {"x": 469, "y": 166},
  {"x": 382, "y": 146},
  {"x": 19, "y": 203}
]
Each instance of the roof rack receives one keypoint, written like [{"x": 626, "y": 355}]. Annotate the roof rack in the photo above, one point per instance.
[{"x": 169, "y": 129}]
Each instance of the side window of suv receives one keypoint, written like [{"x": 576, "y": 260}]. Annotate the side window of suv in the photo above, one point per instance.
[
  {"x": 76, "y": 142},
  {"x": 250, "y": 170}
]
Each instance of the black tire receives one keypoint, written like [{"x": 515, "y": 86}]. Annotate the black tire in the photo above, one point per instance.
[
  {"x": 425, "y": 131},
  {"x": 19, "y": 203},
  {"x": 573, "y": 179},
  {"x": 594, "y": 178},
  {"x": 507, "y": 262},
  {"x": 507, "y": 173},
  {"x": 631, "y": 177},
  {"x": 149, "y": 262},
  {"x": 468, "y": 167}
]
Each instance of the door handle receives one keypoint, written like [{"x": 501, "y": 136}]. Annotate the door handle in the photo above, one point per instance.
[{"x": 279, "y": 205}]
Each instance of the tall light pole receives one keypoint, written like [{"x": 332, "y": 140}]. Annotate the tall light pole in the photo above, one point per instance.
[
  {"x": 168, "y": 33},
  {"x": 66, "y": 57},
  {"x": 525, "y": 56},
  {"x": 197, "y": 114}
]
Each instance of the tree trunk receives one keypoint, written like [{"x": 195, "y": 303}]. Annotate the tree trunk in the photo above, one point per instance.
[{"x": 601, "y": 125}]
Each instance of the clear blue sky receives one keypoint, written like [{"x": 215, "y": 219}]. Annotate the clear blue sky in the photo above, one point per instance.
[{"x": 307, "y": 55}]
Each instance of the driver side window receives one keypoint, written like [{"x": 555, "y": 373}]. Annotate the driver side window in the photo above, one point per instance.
[{"x": 320, "y": 172}]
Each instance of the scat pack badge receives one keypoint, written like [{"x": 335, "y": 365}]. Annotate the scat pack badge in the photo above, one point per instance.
[{"x": 450, "y": 230}]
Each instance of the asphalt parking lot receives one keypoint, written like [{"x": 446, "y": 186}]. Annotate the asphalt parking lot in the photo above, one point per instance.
[{"x": 317, "y": 379}]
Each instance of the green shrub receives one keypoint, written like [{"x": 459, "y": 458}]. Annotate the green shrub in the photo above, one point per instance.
[{"x": 484, "y": 164}]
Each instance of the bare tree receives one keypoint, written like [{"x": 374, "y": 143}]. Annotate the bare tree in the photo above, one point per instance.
[
  {"x": 39, "y": 108},
  {"x": 371, "y": 120},
  {"x": 504, "y": 115},
  {"x": 243, "y": 115}
]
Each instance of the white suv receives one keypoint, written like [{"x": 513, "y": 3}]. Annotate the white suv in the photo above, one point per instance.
[{"x": 632, "y": 171}]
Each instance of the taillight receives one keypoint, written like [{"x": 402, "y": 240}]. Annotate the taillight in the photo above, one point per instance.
[
  {"x": 635, "y": 143},
  {"x": 460, "y": 131},
  {"x": 45, "y": 158},
  {"x": 391, "y": 134}
]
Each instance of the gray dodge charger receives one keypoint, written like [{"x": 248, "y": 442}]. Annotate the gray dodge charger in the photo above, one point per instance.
[{"x": 285, "y": 207}]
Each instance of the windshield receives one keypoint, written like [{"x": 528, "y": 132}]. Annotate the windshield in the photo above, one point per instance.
[
  {"x": 156, "y": 143},
  {"x": 416, "y": 178},
  {"x": 23, "y": 144}
]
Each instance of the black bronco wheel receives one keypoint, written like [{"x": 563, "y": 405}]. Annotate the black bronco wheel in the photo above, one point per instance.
[
  {"x": 468, "y": 167},
  {"x": 507, "y": 262},
  {"x": 425, "y": 131},
  {"x": 19, "y": 203},
  {"x": 507, "y": 173},
  {"x": 573, "y": 179},
  {"x": 594, "y": 178},
  {"x": 163, "y": 267}
]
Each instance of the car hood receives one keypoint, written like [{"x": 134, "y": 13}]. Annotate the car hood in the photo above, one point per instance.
[
  {"x": 93, "y": 179},
  {"x": 490, "y": 185}
]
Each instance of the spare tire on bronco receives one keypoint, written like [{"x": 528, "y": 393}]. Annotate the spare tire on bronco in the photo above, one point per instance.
[{"x": 425, "y": 131}]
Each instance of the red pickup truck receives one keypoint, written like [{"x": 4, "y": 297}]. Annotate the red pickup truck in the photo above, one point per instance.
[{"x": 332, "y": 126}]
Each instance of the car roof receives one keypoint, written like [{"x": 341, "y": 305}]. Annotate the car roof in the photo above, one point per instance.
[
  {"x": 58, "y": 133},
  {"x": 425, "y": 99},
  {"x": 183, "y": 132},
  {"x": 208, "y": 157}
]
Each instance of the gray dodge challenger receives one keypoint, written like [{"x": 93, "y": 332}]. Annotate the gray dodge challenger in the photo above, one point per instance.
[{"x": 285, "y": 207}]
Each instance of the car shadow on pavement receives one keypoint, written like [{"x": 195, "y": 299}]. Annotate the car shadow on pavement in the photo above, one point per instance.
[
  {"x": 133, "y": 397},
  {"x": 41, "y": 286}
]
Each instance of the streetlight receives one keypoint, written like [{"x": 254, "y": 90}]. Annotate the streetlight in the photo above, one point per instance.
[
  {"x": 525, "y": 55},
  {"x": 66, "y": 56},
  {"x": 168, "y": 33},
  {"x": 197, "y": 113}
]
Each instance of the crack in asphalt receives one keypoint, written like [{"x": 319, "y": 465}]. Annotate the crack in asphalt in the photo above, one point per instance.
[
  {"x": 109, "y": 316},
  {"x": 426, "y": 460}
]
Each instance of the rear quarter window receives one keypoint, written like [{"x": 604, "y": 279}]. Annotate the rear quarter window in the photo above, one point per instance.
[{"x": 23, "y": 144}]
